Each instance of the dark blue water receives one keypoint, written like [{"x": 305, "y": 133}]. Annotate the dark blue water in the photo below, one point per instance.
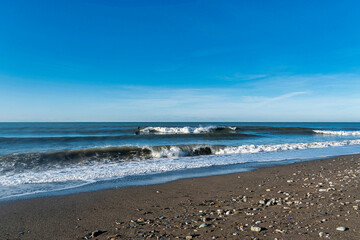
[{"x": 43, "y": 157}]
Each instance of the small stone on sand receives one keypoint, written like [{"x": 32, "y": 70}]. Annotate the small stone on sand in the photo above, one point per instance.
[
  {"x": 341, "y": 229},
  {"x": 255, "y": 229}
]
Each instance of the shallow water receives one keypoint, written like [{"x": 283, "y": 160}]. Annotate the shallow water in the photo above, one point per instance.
[{"x": 43, "y": 158}]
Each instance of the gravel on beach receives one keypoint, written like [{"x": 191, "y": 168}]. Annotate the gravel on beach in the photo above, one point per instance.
[{"x": 317, "y": 199}]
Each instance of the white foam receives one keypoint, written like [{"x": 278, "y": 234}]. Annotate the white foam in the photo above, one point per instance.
[
  {"x": 165, "y": 160},
  {"x": 175, "y": 151},
  {"x": 172, "y": 152},
  {"x": 283, "y": 147},
  {"x": 180, "y": 130},
  {"x": 98, "y": 171},
  {"x": 338, "y": 133}
]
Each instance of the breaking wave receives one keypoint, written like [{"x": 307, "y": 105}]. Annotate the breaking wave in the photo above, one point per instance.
[
  {"x": 338, "y": 133},
  {"x": 40, "y": 161},
  {"x": 224, "y": 129},
  {"x": 186, "y": 130}
]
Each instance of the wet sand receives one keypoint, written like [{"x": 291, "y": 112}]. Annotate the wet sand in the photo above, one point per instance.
[{"x": 307, "y": 200}]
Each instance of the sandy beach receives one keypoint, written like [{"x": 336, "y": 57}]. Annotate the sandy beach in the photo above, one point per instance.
[{"x": 307, "y": 200}]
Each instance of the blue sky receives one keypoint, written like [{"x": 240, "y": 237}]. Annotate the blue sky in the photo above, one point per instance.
[{"x": 179, "y": 60}]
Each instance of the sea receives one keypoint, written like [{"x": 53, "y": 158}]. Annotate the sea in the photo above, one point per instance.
[{"x": 46, "y": 159}]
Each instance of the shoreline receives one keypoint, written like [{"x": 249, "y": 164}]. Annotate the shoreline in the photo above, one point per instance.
[
  {"x": 161, "y": 178},
  {"x": 170, "y": 176},
  {"x": 221, "y": 206}
]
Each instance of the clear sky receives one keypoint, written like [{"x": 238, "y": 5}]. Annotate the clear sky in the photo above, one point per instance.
[{"x": 179, "y": 60}]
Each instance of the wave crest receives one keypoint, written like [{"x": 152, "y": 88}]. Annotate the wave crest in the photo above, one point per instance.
[
  {"x": 185, "y": 130},
  {"x": 223, "y": 129},
  {"x": 338, "y": 133},
  {"x": 40, "y": 161}
]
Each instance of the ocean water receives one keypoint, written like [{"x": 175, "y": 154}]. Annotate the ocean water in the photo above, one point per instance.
[{"x": 39, "y": 159}]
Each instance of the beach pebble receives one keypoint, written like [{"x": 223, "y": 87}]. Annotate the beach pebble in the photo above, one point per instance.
[
  {"x": 189, "y": 237},
  {"x": 118, "y": 222},
  {"x": 205, "y": 219},
  {"x": 96, "y": 233},
  {"x": 280, "y": 231},
  {"x": 114, "y": 237},
  {"x": 255, "y": 228},
  {"x": 93, "y": 234},
  {"x": 262, "y": 201},
  {"x": 341, "y": 229},
  {"x": 271, "y": 202},
  {"x": 242, "y": 228},
  {"x": 229, "y": 212},
  {"x": 323, "y": 234},
  {"x": 203, "y": 225},
  {"x": 140, "y": 220}
]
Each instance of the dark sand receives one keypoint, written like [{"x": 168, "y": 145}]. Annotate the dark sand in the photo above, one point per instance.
[{"x": 307, "y": 198}]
